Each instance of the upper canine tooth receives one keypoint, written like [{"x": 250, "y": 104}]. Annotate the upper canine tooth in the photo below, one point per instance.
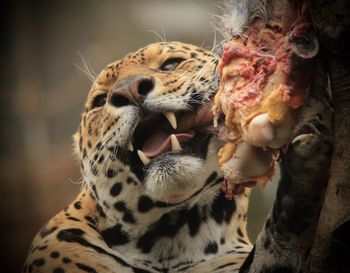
[
  {"x": 175, "y": 144},
  {"x": 171, "y": 118},
  {"x": 130, "y": 146},
  {"x": 144, "y": 158}
]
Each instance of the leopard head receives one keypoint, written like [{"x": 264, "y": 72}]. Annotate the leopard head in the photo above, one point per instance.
[{"x": 147, "y": 122}]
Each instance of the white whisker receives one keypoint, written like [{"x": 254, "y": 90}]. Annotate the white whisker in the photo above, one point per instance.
[
  {"x": 86, "y": 69},
  {"x": 161, "y": 37}
]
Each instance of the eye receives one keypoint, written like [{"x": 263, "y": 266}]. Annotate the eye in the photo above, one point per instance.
[
  {"x": 171, "y": 63},
  {"x": 99, "y": 100}
]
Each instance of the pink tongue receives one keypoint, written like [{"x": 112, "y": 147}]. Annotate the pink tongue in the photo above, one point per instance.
[{"x": 159, "y": 142}]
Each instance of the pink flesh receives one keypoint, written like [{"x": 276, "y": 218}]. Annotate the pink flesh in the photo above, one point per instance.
[{"x": 159, "y": 142}]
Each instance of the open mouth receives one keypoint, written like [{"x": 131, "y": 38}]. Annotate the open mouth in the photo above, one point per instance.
[{"x": 181, "y": 132}]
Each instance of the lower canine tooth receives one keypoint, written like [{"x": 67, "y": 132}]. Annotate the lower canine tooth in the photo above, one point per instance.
[
  {"x": 130, "y": 146},
  {"x": 171, "y": 118},
  {"x": 175, "y": 144},
  {"x": 144, "y": 158}
]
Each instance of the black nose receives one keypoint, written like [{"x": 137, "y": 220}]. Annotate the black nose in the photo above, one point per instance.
[{"x": 131, "y": 91}]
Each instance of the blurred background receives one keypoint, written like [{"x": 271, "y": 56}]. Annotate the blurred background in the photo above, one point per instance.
[{"x": 45, "y": 48}]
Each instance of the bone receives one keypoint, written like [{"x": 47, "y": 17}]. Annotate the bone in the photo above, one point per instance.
[
  {"x": 247, "y": 163},
  {"x": 260, "y": 131}
]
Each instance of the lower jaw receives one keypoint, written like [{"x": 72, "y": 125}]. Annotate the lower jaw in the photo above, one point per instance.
[
  {"x": 137, "y": 168},
  {"x": 197, "y": 147}
]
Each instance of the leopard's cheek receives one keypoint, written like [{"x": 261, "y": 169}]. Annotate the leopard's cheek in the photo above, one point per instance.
[{"x": 91, "y": 129}]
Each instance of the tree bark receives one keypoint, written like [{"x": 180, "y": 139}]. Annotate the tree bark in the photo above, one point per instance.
[{"x": 331, "y": 245}]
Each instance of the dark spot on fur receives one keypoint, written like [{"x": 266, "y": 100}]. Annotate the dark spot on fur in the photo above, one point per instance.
[
  {"x": 194, "y": 221},
  {"x": 101, "y": 159},
  {"x": 211, "y": 178},
  {"x": 100, "y": 211},
  {"x": 42, "y": 247},
  {"x": 248, "y": 261},
  {"x": 85, "y": 268},
  {"x": 128, "y": 216},
  {"x": 211, "y": 248},
  {"x": 67, "y": 234},
  {"x": 90, "y": 219},
  {"x": 73, "y": 219},
  {"x": 54, "y": 254},
  {"x": 130, "y": 180},
  {"x": 99, "y": 145},
  {"x": 93, "y": 187},
  {"x": 239, "y": 232},
  {"x": 116, "y": 189},
  {"x": 222, "y": 209},
  {"x": 242, "y": 241},
  {"x": 58, "y": 270},
  {"x": 38, "y": 262},
  {"x": 145, "y": 204},
  {"x": 111, "y": 173},
  {"x": 115, "y": 235},
  {"x": 66, "y": 260}
]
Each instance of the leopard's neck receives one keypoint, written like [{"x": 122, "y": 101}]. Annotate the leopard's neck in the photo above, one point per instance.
[{"x": 166, "y": 234}]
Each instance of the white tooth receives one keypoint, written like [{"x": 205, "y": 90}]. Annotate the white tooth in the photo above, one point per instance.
[
  {"x": 144, "y": 158},
  {"x": 171, "y": 118},
  {"x": 175, "y": 144},
  {"x": 130, "y": 146}
]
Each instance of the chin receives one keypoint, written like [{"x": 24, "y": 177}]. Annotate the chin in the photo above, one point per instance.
[{"x": 172, "y": 177}]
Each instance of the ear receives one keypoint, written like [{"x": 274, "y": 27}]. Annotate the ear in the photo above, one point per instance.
[{"x": 76, "y": 145}]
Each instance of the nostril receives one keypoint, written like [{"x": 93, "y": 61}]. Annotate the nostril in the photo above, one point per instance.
[
  {"x": 119, "y": 100},
  {"x": 145, "y": 86}
]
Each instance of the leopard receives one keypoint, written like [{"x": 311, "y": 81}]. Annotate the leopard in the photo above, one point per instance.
[{"x": 151, "y": 199}]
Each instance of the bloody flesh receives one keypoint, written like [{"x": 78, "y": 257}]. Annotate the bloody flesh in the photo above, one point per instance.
[{"x": 264, "y": 78}]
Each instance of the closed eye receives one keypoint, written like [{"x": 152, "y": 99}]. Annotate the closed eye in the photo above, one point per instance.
[
  {"x": 171, "y": 64},
  {"x": 99, "y": 100}
]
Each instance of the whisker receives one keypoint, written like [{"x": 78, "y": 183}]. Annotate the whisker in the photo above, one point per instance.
[
  {"x": 163, "y": 32},
  {"x": 86, "y": 69},
  {"x": 161, "y": 37}
]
